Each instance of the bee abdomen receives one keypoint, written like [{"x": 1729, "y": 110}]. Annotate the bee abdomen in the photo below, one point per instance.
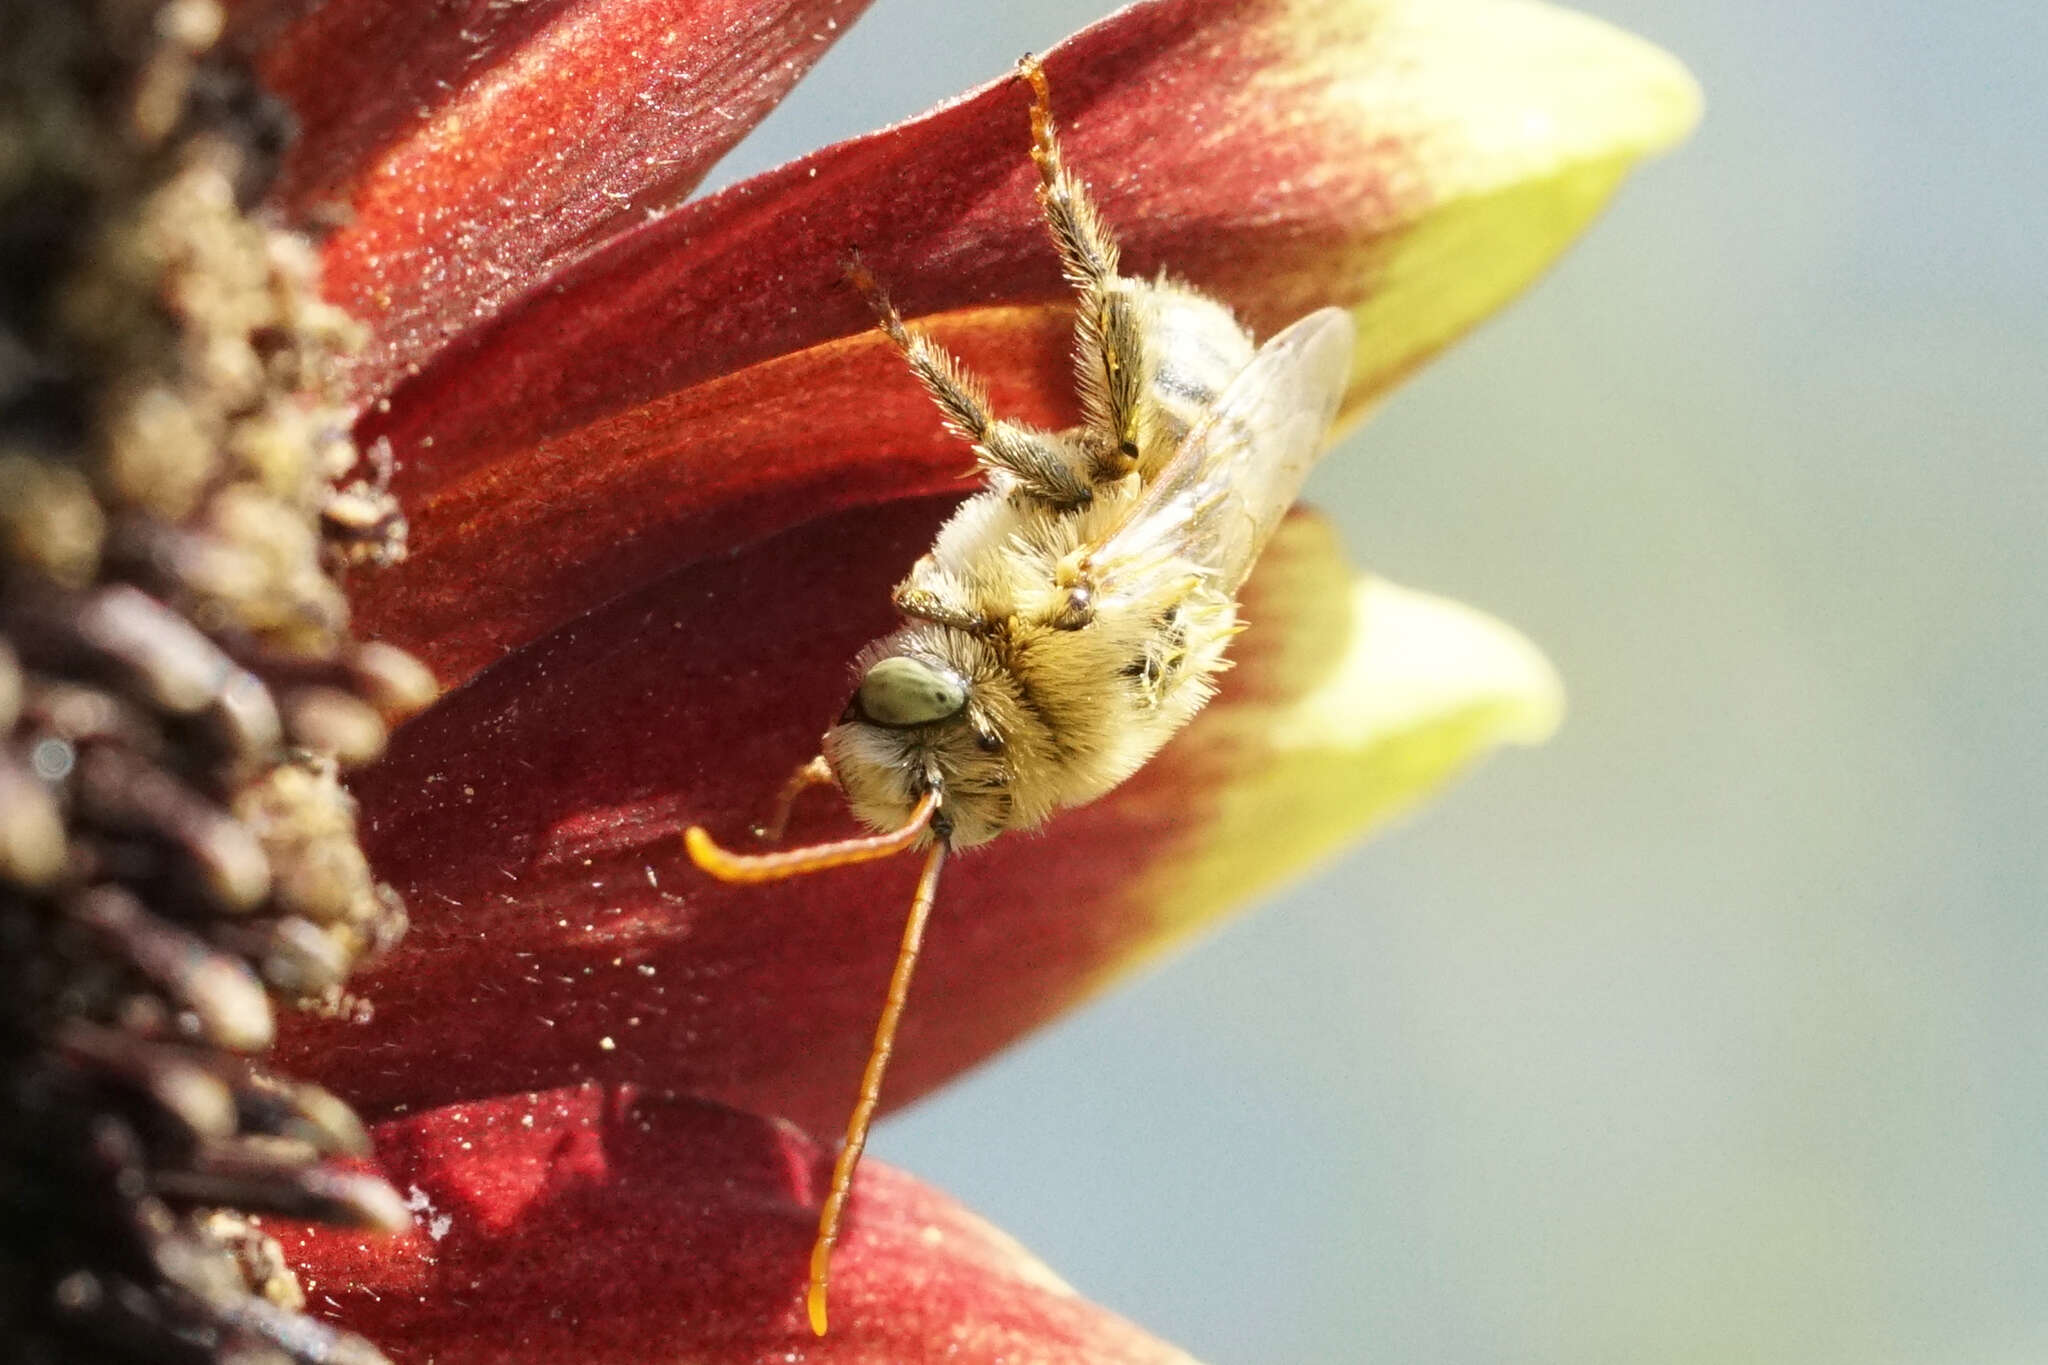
[
  {"x": 1197, "y": 349},
  {"x": 1179, "y": 398}
]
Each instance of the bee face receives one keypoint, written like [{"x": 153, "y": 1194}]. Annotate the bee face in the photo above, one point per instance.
[{"x": 927, "y": 712}]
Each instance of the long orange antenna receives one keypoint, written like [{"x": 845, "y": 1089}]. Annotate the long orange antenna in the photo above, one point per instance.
[
  {"x": 769, "y": 867},
  {"x": 773, "y": 867},
  {"x": 870, "y": 1087}
]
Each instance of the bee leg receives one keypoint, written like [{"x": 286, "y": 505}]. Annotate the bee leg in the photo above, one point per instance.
[
  {"x": 926, "y": 605},
  {"x": 1075, "y": 577},
  {"x": 929, "y": 594},
  {"x": 1110, "y": 360},
  {"x": 1076, "y": 609},
  {"x": 1038, "y": 460}
]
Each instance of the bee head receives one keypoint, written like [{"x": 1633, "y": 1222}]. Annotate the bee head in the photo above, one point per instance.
[{"x": 916, "y": 723}]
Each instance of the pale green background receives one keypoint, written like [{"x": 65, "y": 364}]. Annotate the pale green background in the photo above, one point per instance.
[{"x": 1715, "y": 1031}]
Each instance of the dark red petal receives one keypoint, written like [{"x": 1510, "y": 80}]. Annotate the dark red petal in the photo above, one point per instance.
[
  {"x": 661, "y": 400},
  {"x": 532, "y": 820},
  {"x": 471, "y": 149},
  {"x": 516, "y": 548},
  {"x": 586, "y": 1226}
]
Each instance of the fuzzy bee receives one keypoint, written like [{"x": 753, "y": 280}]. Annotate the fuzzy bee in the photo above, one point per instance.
[{"x": 1073, "y": 615}]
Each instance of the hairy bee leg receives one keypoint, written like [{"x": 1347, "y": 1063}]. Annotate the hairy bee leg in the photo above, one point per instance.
[
  {"x": 926, "y": 605},
  {"x": 1039, "y": 460},
  {"x": 870, "y": 1087},
  {"x": 944, "y": 604},
  {"x": 1110, "y": 360}
]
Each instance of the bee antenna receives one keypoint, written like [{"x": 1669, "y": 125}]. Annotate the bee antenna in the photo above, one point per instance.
[
  {"x": 871, "y": 1086},
  {"x": 816, "y": 773},
  {"x": 925, "y": 817},
  {"x": 728, "y": 866}
]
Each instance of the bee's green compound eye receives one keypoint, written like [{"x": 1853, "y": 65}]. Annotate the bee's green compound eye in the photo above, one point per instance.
[{"x": 903, "y": 691}]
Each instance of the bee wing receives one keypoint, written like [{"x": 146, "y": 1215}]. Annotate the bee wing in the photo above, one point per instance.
[{"x": 1219, "y": 498}]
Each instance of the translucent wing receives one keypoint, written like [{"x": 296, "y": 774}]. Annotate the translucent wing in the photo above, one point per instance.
[{"x": 1219, "y": 498}]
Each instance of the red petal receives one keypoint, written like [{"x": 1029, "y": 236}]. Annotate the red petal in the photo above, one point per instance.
[
  {"x": 590, "y": 1226},
  {"x": 660, "y": 400},
  {"x": 511, "y": 551},
  {"x": 532, "y": 820},
  {"x": 474, "y": 148}
]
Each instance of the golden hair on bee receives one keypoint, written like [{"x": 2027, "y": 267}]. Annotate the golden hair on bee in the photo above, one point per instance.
[{"x": 1073, "y": 615}]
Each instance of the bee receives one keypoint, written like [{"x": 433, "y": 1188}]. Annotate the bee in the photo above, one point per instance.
[{"x": 1074, "y": 614}]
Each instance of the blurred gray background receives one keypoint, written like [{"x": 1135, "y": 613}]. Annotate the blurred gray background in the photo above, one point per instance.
[{"x": 1718, "y": 1029}]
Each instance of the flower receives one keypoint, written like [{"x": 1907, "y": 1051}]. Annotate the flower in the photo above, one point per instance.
[
  {"x": 661, "y": 473},
  {"x": 178, "y": 693}
]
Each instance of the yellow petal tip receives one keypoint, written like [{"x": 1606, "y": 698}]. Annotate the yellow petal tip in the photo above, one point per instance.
[
  {"x": 1420, "y": 688},
  {"x": 1417, "y": 659}
]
